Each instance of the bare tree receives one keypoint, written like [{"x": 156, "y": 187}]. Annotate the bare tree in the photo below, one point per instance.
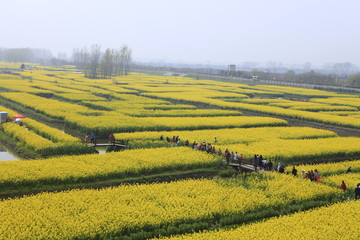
[
  {"x": 80, "y": 58},
  {"x": 125, "y": 59},
  {"x": 94, "y": 59},
  {"x": 117, "y": 62},
  {"x": 106, "y": 65},
  {"x": 110, "y": 63},
  {"x": 128, "y": 60}
]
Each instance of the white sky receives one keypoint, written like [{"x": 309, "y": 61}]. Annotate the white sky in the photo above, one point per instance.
[{"x": 190, "y": 31}]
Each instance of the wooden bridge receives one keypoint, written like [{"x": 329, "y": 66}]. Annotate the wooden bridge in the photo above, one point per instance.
[
  {"x": 108, "y": 145},
  {"x": 244, "y": 167}
]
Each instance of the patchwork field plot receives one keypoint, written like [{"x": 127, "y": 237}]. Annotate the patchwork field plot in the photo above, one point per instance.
[
  {"x": 297, "y": 151},
  {"x": 284, "y": 124},
  {"x": 93, "y": 167},
  {"x": 334, "y": 222},
  {"x": 177, "y": 207}
]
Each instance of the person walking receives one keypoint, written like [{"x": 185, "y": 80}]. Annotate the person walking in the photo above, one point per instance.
[
  {"x": 343, "y": 186},
  {"x": 93, "y": 138},
  {"x": 255, "y": 161},
  {"x": 111, "y": 138},
  {"x": 236, "y": 157},
  {"x": 316, "y": 175},
  {"x": 241, "y": 159},
  {"x": 270, "y": 165},
  {"x": 357, "y": 191}
]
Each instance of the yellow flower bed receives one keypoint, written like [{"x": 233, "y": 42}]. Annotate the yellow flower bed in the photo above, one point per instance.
[
  {"x": 232, "y": 135},
  {"x": 339, "y": 221},
  {"x": 9, "y": 111},
  {"x": 110, "y": 165},
  {"x": 119, "y": 211},
  {"x": 299, "y": 91},
  {"x": 351, "y": 180},
  {"x": 355, "y": 102},
  {"x": 49, "y": 106},
  {"x": 80, "y": 97},
  {"x": 23, "y": 86},
  {"x": 311, "y": 106},
  {"x": 29, "y": 138},
  {"x": 287, "y": 151},
  {"x": 216, "y": 122},
  {"x": 180, "y": 113},
  {"x": 313, "y": 116},
  {"x": 53, "y": 134},
  {"x": 330, "y": 168},
  {"x": 42, "y": 139}
]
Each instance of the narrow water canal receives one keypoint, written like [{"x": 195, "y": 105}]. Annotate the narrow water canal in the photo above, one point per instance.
[{"x": 7, "y": 155}]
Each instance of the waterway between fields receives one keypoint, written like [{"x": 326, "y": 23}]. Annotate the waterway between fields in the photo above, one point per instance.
[{"x": 6, "y": 154}]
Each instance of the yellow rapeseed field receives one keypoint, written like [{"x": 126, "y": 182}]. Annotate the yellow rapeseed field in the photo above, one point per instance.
[
  {"x": 339, "y": 221},
  {"x": 111, "y": 165},
  {"x": 303, "y": 150},
  {"x": 92, "y": 214}
]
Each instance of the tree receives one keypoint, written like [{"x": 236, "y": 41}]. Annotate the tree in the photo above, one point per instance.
[
  {"x": 19, "y": 55},
  {"x": 128, "y": 60},
  {"x": 290, "y": 75},
  {"x": 106, "y": 65},
  {"x": 110, "y": 63},
  {"x": 354, "y": 80},
  {"x": 346, "y": 67},
  {"x": 125, "y": 57},
  {"x": 94, "y": 59}
]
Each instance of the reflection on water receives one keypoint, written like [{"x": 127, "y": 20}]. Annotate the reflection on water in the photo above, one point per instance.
[
  {"x": 6, "y": 155},
  {"x": 101, "y": 150}
]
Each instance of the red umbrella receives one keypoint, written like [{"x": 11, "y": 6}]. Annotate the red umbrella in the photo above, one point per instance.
[{"x": 18, "y": 116}]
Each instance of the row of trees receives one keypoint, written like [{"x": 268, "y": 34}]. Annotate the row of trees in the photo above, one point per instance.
[
  {"x": 354, "y": 80},
  {"x": 310, "y": 77},
  {"x": 98, "y": 64},
  {"x": 34, "y": 55}
]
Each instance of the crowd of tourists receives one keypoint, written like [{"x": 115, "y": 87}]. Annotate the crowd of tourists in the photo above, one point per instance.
[
  {"x": 231, "y": 157},
  {"x": 312, "y": 175}
]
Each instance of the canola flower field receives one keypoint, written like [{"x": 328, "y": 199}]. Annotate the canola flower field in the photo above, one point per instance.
[
  {"x": 339, "y": 221},
  {"x": 92, "y": 167},
  {"x": 290, "y": 151},
  {"x": 111, "y": 212},
  {"x": 330, "y": 168},
  {"x": 138, "y": 109},
  {"x": 230, "y": 135},
  {"x": 41, "y": 138},
  {"x": 350, "y": 179}
]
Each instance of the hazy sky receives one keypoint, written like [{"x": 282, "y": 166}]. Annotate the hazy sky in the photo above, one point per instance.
[{"x": 190, "y": 31}]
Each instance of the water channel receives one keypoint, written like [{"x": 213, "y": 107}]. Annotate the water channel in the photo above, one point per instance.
[{"x": 6, "y": 154}]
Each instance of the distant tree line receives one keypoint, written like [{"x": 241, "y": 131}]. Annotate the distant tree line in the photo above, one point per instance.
[
  {"x": 354, "y": 80},
  {"x": 98, "y": 64},
  {"x": 310, "y": 77},
  {"x": 30, "y": 55}
]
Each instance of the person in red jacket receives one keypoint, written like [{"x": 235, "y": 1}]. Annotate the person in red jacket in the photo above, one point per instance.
[{"x": 343, "y": 186}]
